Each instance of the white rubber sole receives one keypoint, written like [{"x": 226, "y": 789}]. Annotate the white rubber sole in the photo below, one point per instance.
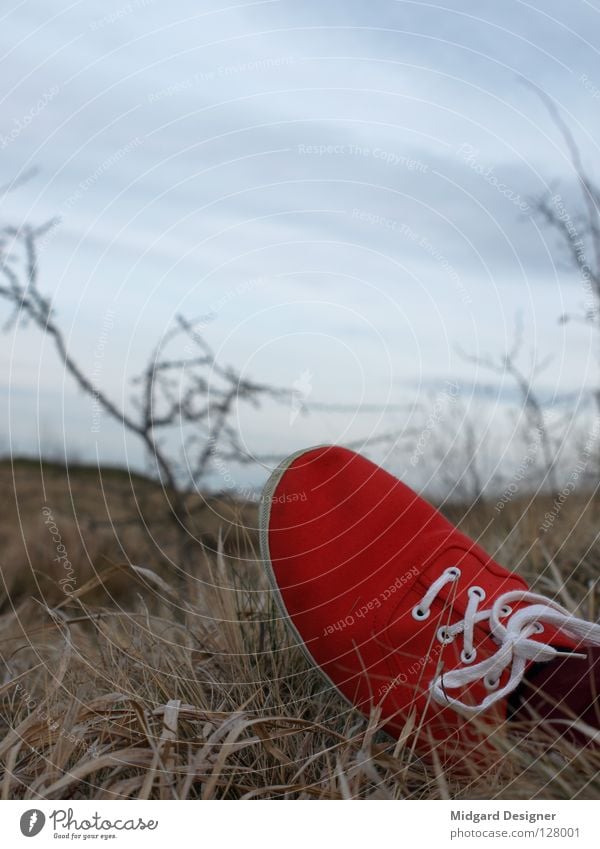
[{"x": 264, "y": 517}]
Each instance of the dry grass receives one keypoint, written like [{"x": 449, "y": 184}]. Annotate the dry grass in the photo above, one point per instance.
[{"x": 147, "y": 683}]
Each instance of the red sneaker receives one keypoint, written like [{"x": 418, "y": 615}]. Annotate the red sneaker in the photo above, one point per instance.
[{"x": 394, "y": 605}]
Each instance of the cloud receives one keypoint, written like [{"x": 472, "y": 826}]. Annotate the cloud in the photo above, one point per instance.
[{"x": 319, "y": 148}]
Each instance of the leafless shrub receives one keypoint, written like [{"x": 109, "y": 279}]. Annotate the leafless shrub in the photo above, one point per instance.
[
  {"x": 536, "y": 420},
  {"x": 193, "y": 392}
]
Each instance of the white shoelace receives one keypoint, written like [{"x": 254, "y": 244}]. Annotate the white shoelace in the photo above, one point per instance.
[{"x": 515, "y": 648}]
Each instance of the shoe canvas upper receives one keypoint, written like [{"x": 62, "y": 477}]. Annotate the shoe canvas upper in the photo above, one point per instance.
[{"x": 352, "y": 551}]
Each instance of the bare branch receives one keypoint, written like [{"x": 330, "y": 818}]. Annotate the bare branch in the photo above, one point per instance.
[{"x": 532, "y": 406}]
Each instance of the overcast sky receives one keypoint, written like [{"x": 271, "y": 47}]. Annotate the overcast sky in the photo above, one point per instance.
[{"x": 314, "y": 175}]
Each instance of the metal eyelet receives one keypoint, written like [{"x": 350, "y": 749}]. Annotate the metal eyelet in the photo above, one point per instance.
[
  {"x": 505, "y": 610},
  {"x": 444, "y": 637},
  {"x": 454, "y": 572},
  {"x": 420, "y": 614},
  {"x": 491, "y": 684},
  {"x": 478, "y": 592},
  {"x": 468, "y": 658}
]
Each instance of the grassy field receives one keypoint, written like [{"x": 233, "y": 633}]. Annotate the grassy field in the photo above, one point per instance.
[{"x": 124, "y": 675}]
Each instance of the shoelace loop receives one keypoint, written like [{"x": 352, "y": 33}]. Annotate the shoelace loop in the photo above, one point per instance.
[{"x": 515, "y": 646}]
